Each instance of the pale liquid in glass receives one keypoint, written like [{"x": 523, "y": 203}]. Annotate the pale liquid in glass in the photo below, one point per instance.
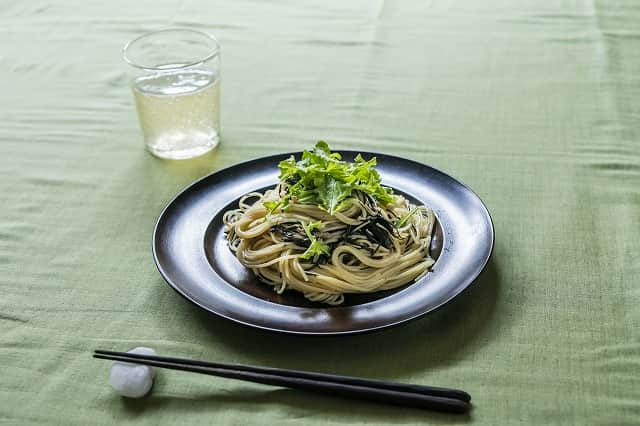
[{"x": 179, "y": 112}]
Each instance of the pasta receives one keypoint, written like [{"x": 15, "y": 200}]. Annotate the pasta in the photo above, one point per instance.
[{"x": 369, "y": 241}]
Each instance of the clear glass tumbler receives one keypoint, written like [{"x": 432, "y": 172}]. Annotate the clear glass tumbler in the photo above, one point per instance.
[{"x": 176, "y": 86}]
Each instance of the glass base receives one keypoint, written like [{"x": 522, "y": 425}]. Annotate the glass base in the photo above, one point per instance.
[{"x": 174, "y": 150}]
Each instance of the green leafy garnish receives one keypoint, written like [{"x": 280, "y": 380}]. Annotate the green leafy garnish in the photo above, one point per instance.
[
  {"x": 320, "y": 177},
  {"x": 271, "y": 205},
  {"x": 310, "y": 227},
  {"x": 404, "y": 219},
  {"x": 317, "y": 248}
]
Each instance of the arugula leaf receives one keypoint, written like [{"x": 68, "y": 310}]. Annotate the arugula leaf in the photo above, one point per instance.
[
  {"x": 271, "y": 205},
  {"x": 317, "y": 248},
  {"x": 404, "y": 219},
  {"x": 332, "y": 193},
  {"x": 310, "y": 227},
  {"x": 322, "y": 178}
]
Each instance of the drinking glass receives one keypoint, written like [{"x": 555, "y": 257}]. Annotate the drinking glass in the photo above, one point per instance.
[{"x": 176, "y": 87}]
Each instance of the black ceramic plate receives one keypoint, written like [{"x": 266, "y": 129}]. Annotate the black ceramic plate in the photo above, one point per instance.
[{"x": 191, "y": 253}]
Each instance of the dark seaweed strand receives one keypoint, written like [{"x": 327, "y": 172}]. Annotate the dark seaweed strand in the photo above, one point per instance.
[
  {"x": 292, "y": 233},
  {"x": 375, "y": 228}
]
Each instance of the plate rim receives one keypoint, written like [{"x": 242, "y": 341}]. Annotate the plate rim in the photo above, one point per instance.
[{"x": 472, "y": 278}]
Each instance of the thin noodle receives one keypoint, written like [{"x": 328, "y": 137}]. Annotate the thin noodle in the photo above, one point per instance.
[{"x": 270, "y": 244}]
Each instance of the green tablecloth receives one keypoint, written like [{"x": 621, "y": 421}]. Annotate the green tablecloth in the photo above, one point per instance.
[{"x": 535, "y": 105}]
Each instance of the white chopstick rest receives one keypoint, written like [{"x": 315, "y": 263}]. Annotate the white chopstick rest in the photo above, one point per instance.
[{"x": 133, "y": 380}]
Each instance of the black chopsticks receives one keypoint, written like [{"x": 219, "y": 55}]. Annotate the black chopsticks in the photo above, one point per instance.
[{"x": 426, "y": 397}]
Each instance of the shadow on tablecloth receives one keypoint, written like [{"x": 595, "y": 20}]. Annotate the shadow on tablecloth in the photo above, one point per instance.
[{"x": 445, "y": 336}]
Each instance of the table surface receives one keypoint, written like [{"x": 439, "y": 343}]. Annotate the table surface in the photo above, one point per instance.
[{"x": 535, "y": 106}]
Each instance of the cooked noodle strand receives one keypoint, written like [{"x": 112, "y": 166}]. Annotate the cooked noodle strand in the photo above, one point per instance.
[{"x": 373, "y": 247}]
